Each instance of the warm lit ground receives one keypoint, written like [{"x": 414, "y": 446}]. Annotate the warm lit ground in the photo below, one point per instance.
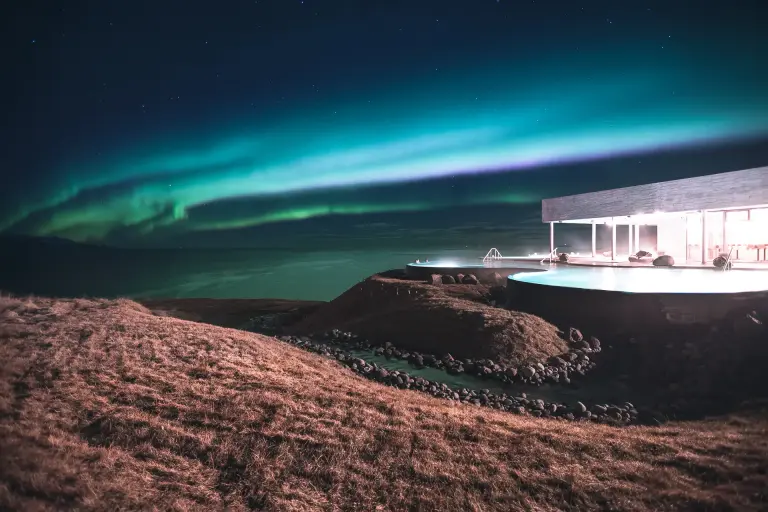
[{"x": 105, "y": 406}]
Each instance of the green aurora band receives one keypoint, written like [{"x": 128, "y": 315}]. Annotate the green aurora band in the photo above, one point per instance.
[{"x": 479, "y": 122}]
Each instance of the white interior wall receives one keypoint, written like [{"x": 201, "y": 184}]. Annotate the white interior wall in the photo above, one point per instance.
[
  {"x": 648, "y": 239},
  {"x": 671, "y": 237}
]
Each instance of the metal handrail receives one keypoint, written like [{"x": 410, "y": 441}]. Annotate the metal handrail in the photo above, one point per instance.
[
  {"x": 493, "y": 254},
  {"x": 549, "y": 257},
  {"x": 728, "y": 263}
]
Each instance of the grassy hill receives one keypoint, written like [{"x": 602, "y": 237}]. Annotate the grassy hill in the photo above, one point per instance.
[
  {"x": 105, "y": 406},
  {"x": 436, "y": 319}
]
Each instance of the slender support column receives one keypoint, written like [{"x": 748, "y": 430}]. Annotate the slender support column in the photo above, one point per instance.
[
  {"x": 551, "y": 238},
  {"x": 630, "y": 239},
  {"x": 637, "y": 238},
  {"x": 703, "y": 237},
  {"x": 724, "y": 248},
  {"x": 594, "y": 239},
  {"x": 613, "y": 240}
]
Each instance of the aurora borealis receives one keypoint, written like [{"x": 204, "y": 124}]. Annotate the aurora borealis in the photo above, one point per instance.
[{"x": 143, "y": 123}]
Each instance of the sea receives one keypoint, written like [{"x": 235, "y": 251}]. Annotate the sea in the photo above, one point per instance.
[
  {"x": 215, "y": 273},
  {"x": 61, "y": 268}
]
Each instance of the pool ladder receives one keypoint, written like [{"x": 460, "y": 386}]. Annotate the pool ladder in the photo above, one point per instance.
[
  {"x": 550, "y": 257},
  {"x": 492, "y": 255},
  {"x": 728, "y": 263}
]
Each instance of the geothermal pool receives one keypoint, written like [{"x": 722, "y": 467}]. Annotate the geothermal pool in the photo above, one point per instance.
[{"x": 649, "y": 279}]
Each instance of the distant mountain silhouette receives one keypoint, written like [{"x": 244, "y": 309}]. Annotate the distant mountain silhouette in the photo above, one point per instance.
[{"x": 17, "y": 240}]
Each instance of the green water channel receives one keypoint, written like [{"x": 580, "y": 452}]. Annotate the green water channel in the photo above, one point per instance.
[{"x": 585, "y": 392}]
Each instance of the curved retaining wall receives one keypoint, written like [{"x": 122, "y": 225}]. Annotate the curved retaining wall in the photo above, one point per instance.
[{"x": 595, "y": 310}]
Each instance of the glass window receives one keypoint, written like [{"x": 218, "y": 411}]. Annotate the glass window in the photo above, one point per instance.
[{"x": 737, "y": 215}]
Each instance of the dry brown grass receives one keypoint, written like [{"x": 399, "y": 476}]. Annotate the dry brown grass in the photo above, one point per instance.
[
  {"x": 437, "y": 319},
  {"x": 104, "y": 406}
]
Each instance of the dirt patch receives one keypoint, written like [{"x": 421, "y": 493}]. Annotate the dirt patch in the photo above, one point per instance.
[
  {"x": 233, "y": 313},
  {"x": 438, "y": 319},
  {"x": 105, "y": 406}
]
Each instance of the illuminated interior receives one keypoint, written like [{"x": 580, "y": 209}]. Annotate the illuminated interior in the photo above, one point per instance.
[{"x": 694, "y": 236}]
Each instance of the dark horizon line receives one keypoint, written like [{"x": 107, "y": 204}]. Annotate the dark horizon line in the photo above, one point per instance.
[{"x": 21, "y": 239}]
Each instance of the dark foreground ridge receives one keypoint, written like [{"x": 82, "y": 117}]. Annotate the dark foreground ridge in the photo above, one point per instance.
[{"x": 105, "y": 405}]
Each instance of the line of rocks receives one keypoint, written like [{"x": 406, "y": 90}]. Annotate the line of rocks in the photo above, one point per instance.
[
  {"x": 521, "y": 404},
  {"x": 558, "y": 370},
  {"x": 267, "y": 323},
  {"x": 438, "y": 279}
]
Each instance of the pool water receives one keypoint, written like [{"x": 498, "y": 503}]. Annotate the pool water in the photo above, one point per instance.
[
  {"x": 446, "y": 264},
  {"x": 650, "y": 280}
]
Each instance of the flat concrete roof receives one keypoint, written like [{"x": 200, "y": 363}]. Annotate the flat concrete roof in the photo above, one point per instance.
[{"x": 728, "y": 190}]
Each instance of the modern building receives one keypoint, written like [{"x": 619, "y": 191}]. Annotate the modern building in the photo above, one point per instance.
[{"x": 694, "y": 219}]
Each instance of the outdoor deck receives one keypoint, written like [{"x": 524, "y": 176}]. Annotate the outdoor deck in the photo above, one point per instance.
[{"x": 621, "y": 261}]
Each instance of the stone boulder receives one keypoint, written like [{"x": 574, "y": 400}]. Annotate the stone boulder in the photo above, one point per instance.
[
  {"x": 664, "y": 261},
  {"x": 469, "y": 279},
  {"x": 574, "y": 335},
  {"x": 641, "y": 257},
  {"x": 459, "y": 278},
  {"x": 722, "y": 261},
  {"x": 448, "y": 279},
  {"x": 557, "y": 362},
  {"x": 435, "y": 279}
]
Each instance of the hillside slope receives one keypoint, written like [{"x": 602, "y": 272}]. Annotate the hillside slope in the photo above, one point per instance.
[
  {"x": 235, "y": 313},
  {"x": 437, "y": 319},
  {"x": 104, "y": 406}
]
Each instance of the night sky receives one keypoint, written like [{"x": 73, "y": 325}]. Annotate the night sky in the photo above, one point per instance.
[{"x": 241, "y": 123}]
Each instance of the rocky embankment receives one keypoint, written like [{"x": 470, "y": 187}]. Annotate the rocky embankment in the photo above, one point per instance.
[
  {"x": 338, "y": 345},
  {"x": 682, "y": 372},
  {"x": 557, "y": 369}
]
